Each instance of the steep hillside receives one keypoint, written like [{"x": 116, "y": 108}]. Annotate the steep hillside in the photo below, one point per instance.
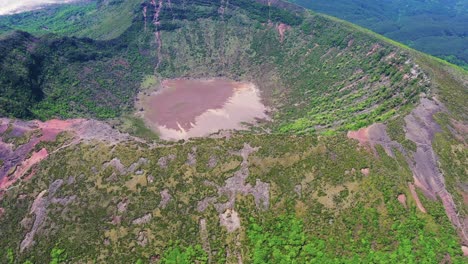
[
  {"x": 102, "y": 19},
  {"x": 436, "y": 27},
  {"x": 315, "y": 73},
  {"x": 364, "y": 159}
]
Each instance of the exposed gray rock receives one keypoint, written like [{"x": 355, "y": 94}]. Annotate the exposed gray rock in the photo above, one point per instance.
[
  {"x": 39, "y": 209},
  {"x": 165, "y": 198},
  {"x": 142, "y": 239},
  {"x": 143, "y": 220},
  {"x": 230, "y": 219},
  {"x": 192, "y": 157},
  {"x": 298, "y": 190},
  {"x": 236, "y": 185},
  {"x": 163, "y": 161},
  {"x": 212, "y": 162},
  {"x": 122, "y": 206}
]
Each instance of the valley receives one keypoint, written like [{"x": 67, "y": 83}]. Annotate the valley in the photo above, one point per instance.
[{"x": 225, "y": 132}]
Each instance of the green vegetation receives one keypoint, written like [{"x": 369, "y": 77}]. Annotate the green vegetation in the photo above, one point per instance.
[
  {"x": 320, "y": 75},
  {"x": 338, "y": 216},
  {"x": 436, "y": 27},
  {"x": 57, "y": 256},
  {"x": 176, "y": 255},
  {"x": 303, "y": 193},
  {"x": 102, "y": 19},
  {"x": 99, "y": 77},
  {"x": 134, "y": 126}
]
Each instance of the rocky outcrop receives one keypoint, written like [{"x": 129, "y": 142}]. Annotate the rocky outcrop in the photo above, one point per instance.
[
  {"x": 236, "y": 185},
  {"x": 420, "y": 128},
  {"x": 18, "y": 140}
]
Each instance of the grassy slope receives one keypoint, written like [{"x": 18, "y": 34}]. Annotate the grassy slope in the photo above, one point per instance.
[
  {"x": 101, "y": 20},
  {"x": 435, "y": 27},
  {"x": 340, "y": 215},
  {"x": 321, "y": 76},
  {"x": 344, "y": 215}
]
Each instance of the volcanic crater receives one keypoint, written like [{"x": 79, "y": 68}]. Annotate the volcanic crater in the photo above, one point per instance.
[{"x": 185, "y": 108}]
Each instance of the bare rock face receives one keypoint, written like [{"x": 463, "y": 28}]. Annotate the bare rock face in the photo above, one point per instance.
[
  {"x": 192, "y": 157},
  {"x": 18, "y": 160},
  {"x": 298, "y": 190},
  {"x": 236, "y": 185},
  {"x": 230, "y": 219},
  {"x": 142, "y": 239},
  {"x": 121, "y": 169},
  {"x": 39, "y": 210},
  {"x": 122, "y": 206},
  {"x": 420, "y": 128},
  {"x": 212, "y": 162},
  {"x": 165, "y": 198},
  {"x": 143, "y": 220},
  {"x": 163, "y": 161}
]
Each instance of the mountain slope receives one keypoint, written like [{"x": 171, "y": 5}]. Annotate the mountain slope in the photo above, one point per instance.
[
  {"x": 316, "y": 73},
  {"x": 435, "y": 27},
  {"x": 301, "y": 188}
]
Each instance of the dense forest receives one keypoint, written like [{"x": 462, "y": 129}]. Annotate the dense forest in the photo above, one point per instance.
[{"x": 435, "y": 27}]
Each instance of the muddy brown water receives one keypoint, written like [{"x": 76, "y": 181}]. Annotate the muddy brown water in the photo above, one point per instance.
[{"x": 185, "y": 108}]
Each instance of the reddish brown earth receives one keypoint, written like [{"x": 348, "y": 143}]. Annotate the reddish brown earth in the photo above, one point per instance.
[
  {"x": 365, "y": 171},
  {"x": 36, "y": 157},
  {"x": 402, "y": 199},
  {"x": 19, "y": 160},
  {"x": 374, "y": 49},
  {"x": 373, "y": 135},
  {"x": 465, "y": 251},
  {"x": 416, "y": 198},
  {"x": 282, "y": 28}
]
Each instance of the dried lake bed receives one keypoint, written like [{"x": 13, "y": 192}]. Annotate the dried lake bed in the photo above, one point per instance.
[{"x": 186, "y": 108}]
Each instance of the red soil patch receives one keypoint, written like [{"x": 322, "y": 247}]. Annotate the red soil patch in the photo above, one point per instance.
[
  {"x": 465, "y": 197},
  {"x": 402, "y": 199},
  {"x": 375, "y": 134},
  {"x": 23, "y": 168},
  {"x": 181, "y": 100},
  {"x": 416, "y": 198},
  {"x": 465, "y": 251},
  {"x": 365, "y": 171},
  {"x": 362, "y": 135},
  {"x": 373, "y": 49},
  {"x": 52, "y": 128},
  {"x": 282, "y": 28}
]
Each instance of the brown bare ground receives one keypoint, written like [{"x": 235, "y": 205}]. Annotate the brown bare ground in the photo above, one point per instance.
[
  {"x": 282, "y": 28},
  {"x": 416, "y": 198},
  {"x": 15, "y": 159},
  {"x": 402, "y": 199}
]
